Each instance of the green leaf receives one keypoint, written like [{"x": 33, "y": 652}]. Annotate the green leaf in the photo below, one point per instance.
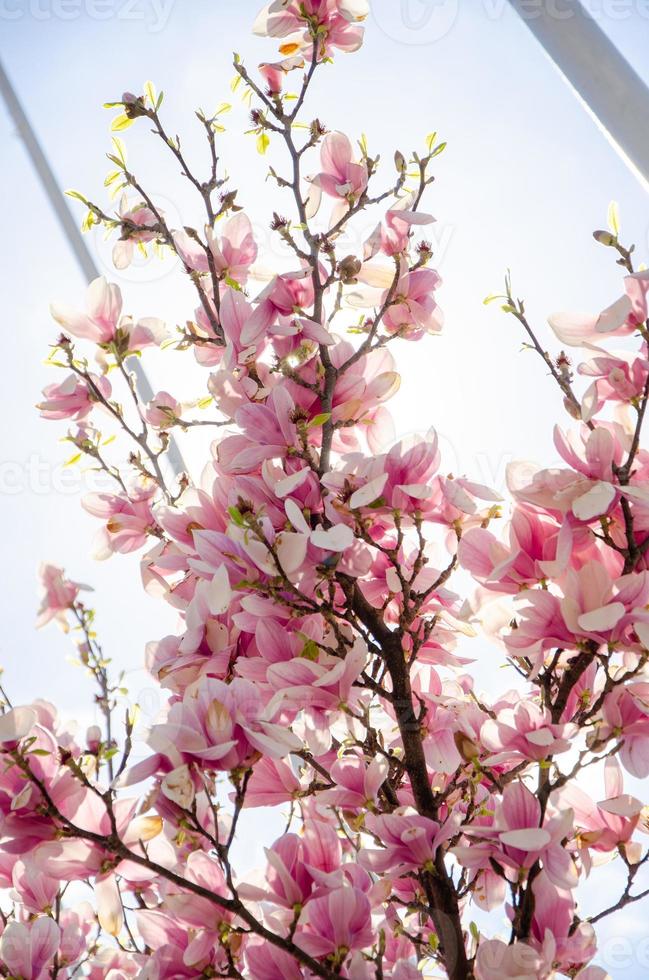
[
  {"x": 121, "y": 122},
  {"x": 149, "y": 91},
  {"x": 319, "y": 420},
  {"x": 263, "y": 142},
  {"x": 614, "y": 218},
  {"x": 77, "y": 196},
  {"x": 237, "y": 516},
  {"x": 121, "y": 150},
  {"x": 310, "y": 650},
  {"x": 112, "y": 177}
]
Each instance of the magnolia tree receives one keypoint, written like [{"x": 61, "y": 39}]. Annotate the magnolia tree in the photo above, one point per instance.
[{"x": 322, "y": 662}]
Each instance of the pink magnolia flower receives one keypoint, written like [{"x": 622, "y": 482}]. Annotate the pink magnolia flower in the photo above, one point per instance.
[
  {"x": 594, "y": 607},
  {"x": 59, "y": 595},
  {"x": 586, "y": 491},
  {"x": 268, "y": 432},
  {"x": 129, "y": 520},
  {"x": 413, "y": 311},
  {"x": 163, "y": 410},
  {"x": 410, "y": 841},
  {"x": 113, "y": 963},
  {"x": 395, "y": 233},
  {"x": 71, "y": 859},
  {"x": 272, "y": 782},
  {"x": 203, "y": 917},
  {"x": 275, "y": 73},
  {"x": 392, "y": 236},
  {"x": 99, "y": 324},
  {"x": 142, "y": 217},
  {"x": 516, "y": 840},
  {"x": 336, "y": 924},
  {"x": 497, "y": 960},
  {"x": 287, "y": 295},
  {"x": 606, "y": 825},
  {"x": 77, "y": 925},
  {"x": 266, "y": 962},
  {"x": 136, "y": 335},
  {"x": 619, "y": 378},
  {"x": 27, "y": 949},
  {"x": 293, "y": 863},
  {"x": 357, "y": 784},
  {"x": 320, "y": 688},
  {"x": 72, "y": 398},
  {"x": 232, "y": 316},
  {"x": 211, "y": 598},
  {"x": 341, "y": 177},
  {"x": 538, "y": 547},
  {"x": 623, "y": 317},
  {"x": 23, "y": 821},
  {"x": 401, "y": 479},
  {"x": 179, "y": 950},
  {"x": 553, "y": 927},
  {"x": 523, "y": 732},
  {"x": 103, "y": 323},
  {"x": 364, "y": 386},
  {"x": 221, "y": 726},
  {"x": 335, "y": 21},
  {"x": 232, "y": 252},
  {"x": 37, "y": 891},
  {"x": 625, "y": 714},
  {"x": 600, "y": 608}
]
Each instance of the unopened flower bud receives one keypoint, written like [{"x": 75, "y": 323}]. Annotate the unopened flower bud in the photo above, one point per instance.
[
  {"x": 134, "y": 105},
  {"x": 348, "y": 269},
  {"x": 93, "y": 738},
  {"x": 605, "y": 238},
  {"x": 467, "y": 748}
]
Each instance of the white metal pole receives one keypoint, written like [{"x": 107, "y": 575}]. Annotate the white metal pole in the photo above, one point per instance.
[
  {"x": 71, "y": 231},
  {"x": 609, "y": 88}
]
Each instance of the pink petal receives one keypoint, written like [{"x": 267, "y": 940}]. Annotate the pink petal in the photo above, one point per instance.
[
  {"x": 530, "y": 839},
  {"x": 337, "y": 538}
]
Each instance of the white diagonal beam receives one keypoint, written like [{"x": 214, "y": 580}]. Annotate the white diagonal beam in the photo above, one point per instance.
[
  {"x": 71, "y": 231},
  {"x": 609, "y": 88}
]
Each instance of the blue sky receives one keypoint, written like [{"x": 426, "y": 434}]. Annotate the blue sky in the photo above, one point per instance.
[{"x": 526, "y": 178}]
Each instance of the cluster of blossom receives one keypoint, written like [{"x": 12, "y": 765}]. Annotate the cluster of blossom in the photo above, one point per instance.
[{"x": 321, "y": 665}]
